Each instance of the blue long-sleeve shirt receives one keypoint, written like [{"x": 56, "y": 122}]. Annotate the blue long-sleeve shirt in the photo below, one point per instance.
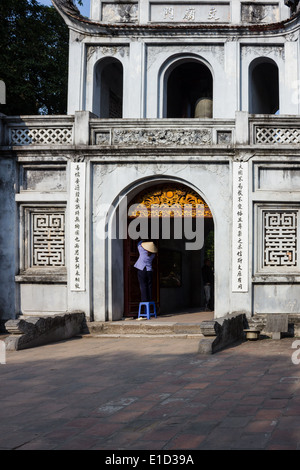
[{"x": 145, "y": 259}]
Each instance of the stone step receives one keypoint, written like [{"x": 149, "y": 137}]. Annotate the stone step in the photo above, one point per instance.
[
  {"x": 142, "y": 335},
  {"x": 142, "y": 327}
]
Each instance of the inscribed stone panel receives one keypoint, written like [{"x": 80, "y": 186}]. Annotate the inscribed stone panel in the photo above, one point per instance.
[
  {"x": 278, "y": 178},
  {"x": 37, "y": 178},
  {"x": 260, "y": 13},
  {"x": 119, "y": 12}
]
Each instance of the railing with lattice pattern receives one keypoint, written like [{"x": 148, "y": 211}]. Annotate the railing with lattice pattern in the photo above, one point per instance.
[
  {"x": 277, "y": 135},
  {"x": 41, "y": 136},
  {"x": 39, "y": 130}
]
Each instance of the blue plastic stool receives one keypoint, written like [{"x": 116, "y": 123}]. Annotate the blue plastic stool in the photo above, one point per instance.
[{"x": 147, "y": 313}]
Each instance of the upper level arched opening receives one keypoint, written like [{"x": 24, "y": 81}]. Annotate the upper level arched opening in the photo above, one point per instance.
[
  {"x": 188, "y": 90},
  {"x": 263, "y": 86},
  {"x": 108, "y": 88}
]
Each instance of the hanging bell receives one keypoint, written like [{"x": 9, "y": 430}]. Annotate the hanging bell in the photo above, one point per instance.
[{"x": 204, "y": 108}]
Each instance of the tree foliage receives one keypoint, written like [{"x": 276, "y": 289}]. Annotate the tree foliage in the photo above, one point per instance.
[{"x": 33, "y": 58}]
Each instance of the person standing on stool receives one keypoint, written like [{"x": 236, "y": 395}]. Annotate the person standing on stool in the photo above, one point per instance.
[{"x": 147, "y": 251}]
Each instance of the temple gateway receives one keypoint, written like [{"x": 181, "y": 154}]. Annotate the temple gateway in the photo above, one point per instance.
[{"x": 190, "y": 108}]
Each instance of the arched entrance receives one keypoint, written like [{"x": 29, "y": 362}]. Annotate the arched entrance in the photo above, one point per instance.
[{"x": 167, "y": 213}]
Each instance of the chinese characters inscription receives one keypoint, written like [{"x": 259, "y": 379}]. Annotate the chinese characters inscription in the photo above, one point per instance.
[
  {"x": 189, "y": 14},
  {"x": 240, "y": 228},
  {"x": 77, "y": 226},
  {"x": 169, "y": 13},
  {"x": 212, "y": 15},
  {"x": 196, "y": 12}
]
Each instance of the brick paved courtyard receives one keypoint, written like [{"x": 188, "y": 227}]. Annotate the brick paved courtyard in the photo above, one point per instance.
[{"x": 154, "y": 393}]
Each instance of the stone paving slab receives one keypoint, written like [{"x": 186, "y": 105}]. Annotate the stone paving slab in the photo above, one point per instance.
[{"x": 150, "y": 394}]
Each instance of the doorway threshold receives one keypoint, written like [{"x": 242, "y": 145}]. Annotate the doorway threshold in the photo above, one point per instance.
[
  {"x": 178, "y": 325},
  {"x": 185, "y": 316}
]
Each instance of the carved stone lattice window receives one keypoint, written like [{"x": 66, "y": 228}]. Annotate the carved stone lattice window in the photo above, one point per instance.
[
  {"x": 48, "y": 239},
  {"x": 42, "y": 238},
  {"x": 280, "y": 238}
]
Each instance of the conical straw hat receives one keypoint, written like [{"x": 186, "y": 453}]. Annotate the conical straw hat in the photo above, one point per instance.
[{"x": 149, "y": 246}]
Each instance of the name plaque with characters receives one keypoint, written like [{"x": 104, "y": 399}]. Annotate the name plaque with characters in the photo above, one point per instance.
[{"x": 190, "y": 12}]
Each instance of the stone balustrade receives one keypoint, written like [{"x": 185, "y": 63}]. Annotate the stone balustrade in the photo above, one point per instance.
[
  {"x": 272, "y": 130},
  {"x": 36, "y": 130},
  {"x": 85, "y": 129}
]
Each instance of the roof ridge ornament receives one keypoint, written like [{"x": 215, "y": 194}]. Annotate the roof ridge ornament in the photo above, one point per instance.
[
  {"x": 293, "y": 4},
  {"x": 67, "y": 6}
]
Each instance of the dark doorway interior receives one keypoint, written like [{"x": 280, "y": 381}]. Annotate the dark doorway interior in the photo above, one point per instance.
[
  {"x": 178, "y": 284},
  {"x": 111, "y": 90},
  {"x": 180, "y": 278},
  {"x": 187, "y": 83},
  {"x": 264, "y": 89}
]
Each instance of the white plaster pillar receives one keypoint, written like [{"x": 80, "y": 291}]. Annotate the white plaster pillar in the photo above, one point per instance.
[
  {"x": 240, "y": 226},
  {"x": 240, "y": 298},
  {"x": 82, "y": 127},
  {"x": 241, "y": 128},
  {"x": 289, "y": 84},
  {"x": 78, "y": 238},
  {"x": 77, "y": 226},
  {"x": 285, "y": 12},
  {"x": 95, "y": 10},
  {"x": 134, "y": 82},
  {"x": 144, "y": 11},
  {"x": 231, "y": 80},
  {"x": 235, "y": 12},
  {"x": 76, "y": 80}
]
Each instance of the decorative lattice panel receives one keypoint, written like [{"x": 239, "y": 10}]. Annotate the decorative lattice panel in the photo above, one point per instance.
[
  {"x": 41, "y": 136},
  {"x": 280, "y": 238},
  {"x": 48, "y": 239},
  {"x": 268, "y": 135}
]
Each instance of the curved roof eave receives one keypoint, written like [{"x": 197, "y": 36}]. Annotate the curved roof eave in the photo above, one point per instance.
[{"x": 83, "y": 25}]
